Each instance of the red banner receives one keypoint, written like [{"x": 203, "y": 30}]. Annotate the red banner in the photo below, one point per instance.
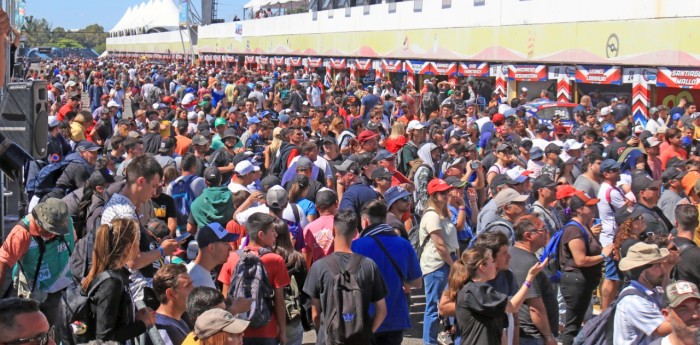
[
  {"x": 671, "y": 96},
  {"x": 337, "y": 63},
  {"x": 473, "y": 69},
  {"x": 389, "y": 65},
  {"x": 363, "y": 64},
  {"x": 264, "y": 60},
  {"x": 527, "y": 72},
  {"x": 678, "y": 78},
  {"x": 314, "y": 62},
  {"x": 606, "y": 75},
  {"x": 295, "y": 61}
]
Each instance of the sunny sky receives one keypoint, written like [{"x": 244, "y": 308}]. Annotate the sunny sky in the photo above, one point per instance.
[{"x": 77, "y": 14}]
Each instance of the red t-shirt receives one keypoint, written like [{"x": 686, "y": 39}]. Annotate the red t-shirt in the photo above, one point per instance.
[
  {"x": 279, "y": 278},
  {"x": 63, "y": 111},
  {"x": 393, "y": 145},
  {"x": 236, "y": 229}
]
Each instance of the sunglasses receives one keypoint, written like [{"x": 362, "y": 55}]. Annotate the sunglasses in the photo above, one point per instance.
[{"x": 41, "y": 339}]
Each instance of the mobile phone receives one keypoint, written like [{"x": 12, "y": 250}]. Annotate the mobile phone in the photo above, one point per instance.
[
  {"x": 183, "y": 237},
  {"x": 474, "y": 165},
  {"x": 596, "y": 221}
]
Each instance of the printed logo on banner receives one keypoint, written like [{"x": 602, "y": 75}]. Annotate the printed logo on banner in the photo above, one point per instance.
[
  {"x": 678, "y": 78},
  {"x": 553, "y": 72},
  {"x": 607, "y": 75},
  {"x": 527, "y": 72},
  {"x": 474, "y": 69}
]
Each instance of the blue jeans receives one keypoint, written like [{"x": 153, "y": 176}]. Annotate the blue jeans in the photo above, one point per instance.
[
  {"x": 435, "y": 283},
  {"x": 532, "y": 341}
]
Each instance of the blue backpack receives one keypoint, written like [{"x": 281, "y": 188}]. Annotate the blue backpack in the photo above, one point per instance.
[
  {"x": 45, "y": 181},
  {"x": 551, "y": 252},
  {"x": 183, "y": 195}
]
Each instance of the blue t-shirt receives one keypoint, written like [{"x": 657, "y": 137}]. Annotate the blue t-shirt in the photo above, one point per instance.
[
  {"x": 369, "y": 101},
  {"x": 308, "y": 207},
  {"x": 465, "y": 233},
  {"x": 398, "y": 316}
]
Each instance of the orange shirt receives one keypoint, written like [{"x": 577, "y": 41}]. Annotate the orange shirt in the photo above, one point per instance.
[
  {"x": 670, "y": 152},
  {"x": 182, "y": 144},
  {"x": 279, "y": 278}
]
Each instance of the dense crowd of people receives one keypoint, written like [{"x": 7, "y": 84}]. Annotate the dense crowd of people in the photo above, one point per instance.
[{"x": 245, "y": 206}]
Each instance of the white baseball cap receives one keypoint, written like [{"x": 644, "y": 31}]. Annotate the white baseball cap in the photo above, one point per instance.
[
  {"x": 112, "y": 104},
  {"x": 244, "y": 167},
  {"x": 414, "y": 124}
]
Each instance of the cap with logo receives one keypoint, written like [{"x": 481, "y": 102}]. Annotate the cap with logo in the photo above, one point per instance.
[
  {"x": 212, "y": 176},
  {"x": 679, "y": 292},
  {"x": 276, "y": 197},
  {"x": 536, "y": 152},
  {"x": 437, "y": 185},
  {"x": 414, "y": 124},
  {"x": 212, "y": 233},
  {"x": 381, "y": 173},
  {"x": 455, "y": 181},
  {"x": 52, "y": 216},
  {"x": 166, "y": 144},
  {"x": 220, "y": 121},
  {"x": 85, "y": 145}
]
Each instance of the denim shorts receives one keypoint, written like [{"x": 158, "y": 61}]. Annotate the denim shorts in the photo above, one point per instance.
[{"x": 611, "y": 271}]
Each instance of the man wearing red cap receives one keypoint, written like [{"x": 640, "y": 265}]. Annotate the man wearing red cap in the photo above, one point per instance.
[{"x": 368, "y": 141}]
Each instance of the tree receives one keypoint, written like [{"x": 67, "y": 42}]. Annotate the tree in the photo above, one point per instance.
[
  {"x": 37, "y": 31},
  {"x": 58, "y": 33},
  {"x": 64, "y": 43}
]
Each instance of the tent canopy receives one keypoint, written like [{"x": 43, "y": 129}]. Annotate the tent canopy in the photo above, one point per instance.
[{"x": 154, "y": 14}]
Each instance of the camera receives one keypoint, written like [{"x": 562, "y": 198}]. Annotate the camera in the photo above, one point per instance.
[{"x": 474, "y": 165}]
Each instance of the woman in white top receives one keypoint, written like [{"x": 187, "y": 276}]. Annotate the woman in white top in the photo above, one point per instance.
[{"x": 438, "y": 239}]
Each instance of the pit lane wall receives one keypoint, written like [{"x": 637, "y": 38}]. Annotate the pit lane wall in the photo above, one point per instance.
[{"x": 620, "y": 32}]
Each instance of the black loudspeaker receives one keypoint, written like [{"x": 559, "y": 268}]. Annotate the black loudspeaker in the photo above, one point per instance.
[{"x": 24, "y": 116}]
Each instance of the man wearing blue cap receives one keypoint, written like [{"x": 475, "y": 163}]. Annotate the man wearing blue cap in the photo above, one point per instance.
[
  {"x": 213, "y": 241},
  {"x": 253, "y": 125}
]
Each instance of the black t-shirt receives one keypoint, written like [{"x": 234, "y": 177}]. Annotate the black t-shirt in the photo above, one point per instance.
[
  {"x": 319, "y": 284},
  {"x": 520, "y": 263},
  {"x": 104, "y": 129},
  {"x": 148, "y": 243},
  {"x": 221, "y": 158},
  {"x": 688, "y": 268},
  {"x": 593, "y": 248},
  {"x": 164, "y": 207},
  {"x": 480, "y": 311},
  {"x": 151, "y": 143}
]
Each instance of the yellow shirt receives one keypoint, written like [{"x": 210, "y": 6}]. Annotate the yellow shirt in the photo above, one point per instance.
[{"x": 190, "y": 340}]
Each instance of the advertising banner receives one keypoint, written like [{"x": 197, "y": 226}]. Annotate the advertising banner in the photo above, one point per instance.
[
  {"x": 607, "y": 75},
  {"x": 527, "y": 72},
  {"x": 478, "y": 69},
  {"x": 680, "y": 78}
]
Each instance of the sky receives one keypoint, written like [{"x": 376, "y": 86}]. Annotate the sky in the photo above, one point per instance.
[{"x": 77, "y": 14}]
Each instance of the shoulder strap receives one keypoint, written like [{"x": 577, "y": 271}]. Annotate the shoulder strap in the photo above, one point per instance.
[
  {"x": 583, "y": 231},
  {"x": 24, "y": 223},
  {"x": 99, "y": 279},
  {"x": 386, "y": 252},
  {"x": 333, "y": 264},
  {"x": 296, "y": 213},
  {"x": 355, "y": 261},
  {"x": 427, "y": 236}
]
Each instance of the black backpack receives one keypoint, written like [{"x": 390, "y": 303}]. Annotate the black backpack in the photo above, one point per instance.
[
  {"x": 76, "y": 304},
  {"x": 345, "y": 320},
  {"x": 250, "y": 280},
  {"x": 429, "y": 101},
  {"x": 279, "y": 164},
  {"x": 600, "y": 329}
]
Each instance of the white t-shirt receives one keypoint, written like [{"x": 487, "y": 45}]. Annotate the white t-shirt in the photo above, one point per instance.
[
  {"x": 607, "y": 213},
  {"x": 236, "y": 187},
  {"x": 200, "y": 276},
  {"x": 430, "y": 260},
  {"x": 287, "y": 214}
]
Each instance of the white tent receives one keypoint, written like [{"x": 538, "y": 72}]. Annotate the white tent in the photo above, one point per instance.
[{"x": 158, "y": 15}]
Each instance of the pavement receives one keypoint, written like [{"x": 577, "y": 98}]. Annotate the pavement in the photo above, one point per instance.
[{"x": 413, "y": 336}]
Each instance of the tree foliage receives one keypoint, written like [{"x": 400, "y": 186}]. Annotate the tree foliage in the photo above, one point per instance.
[{"x": 39, "y": 32}]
